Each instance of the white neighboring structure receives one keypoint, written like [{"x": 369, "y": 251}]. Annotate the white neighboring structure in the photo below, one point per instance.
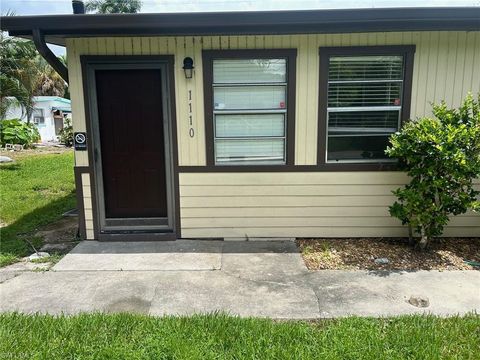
[{"x": 48, "y": 116}]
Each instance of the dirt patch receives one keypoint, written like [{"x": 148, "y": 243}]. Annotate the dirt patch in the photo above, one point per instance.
[
  {"x": 39, "y": 150},
  {"x": 370, "y": 254},
  {"x": 60, "y": 236}
]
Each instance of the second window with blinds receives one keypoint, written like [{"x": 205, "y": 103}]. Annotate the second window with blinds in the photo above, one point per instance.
[
  {"x": 249, "y": 107},
  {"x": 364, "y": 98}
]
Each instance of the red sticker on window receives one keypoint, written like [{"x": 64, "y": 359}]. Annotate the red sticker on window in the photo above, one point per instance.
[
  {"x": 396, "y": 102},
  {"x": 282, "y": 104}
]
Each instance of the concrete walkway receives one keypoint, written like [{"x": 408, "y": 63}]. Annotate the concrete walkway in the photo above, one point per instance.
[{"x": 266, "y": 279}]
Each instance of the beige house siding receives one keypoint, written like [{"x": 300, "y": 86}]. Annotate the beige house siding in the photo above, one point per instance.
[
  {"x": 297, "y": 204},
  {"x": 446, "y": 67}
]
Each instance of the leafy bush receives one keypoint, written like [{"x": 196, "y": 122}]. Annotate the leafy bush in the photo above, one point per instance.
[
  {"x": 442, "y": 157},
  {"x": 15, "y": 131},
  {"x": 66, "y": 134}
]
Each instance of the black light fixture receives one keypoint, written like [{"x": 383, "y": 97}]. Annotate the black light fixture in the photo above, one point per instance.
[{"x": 188, "y": 67}]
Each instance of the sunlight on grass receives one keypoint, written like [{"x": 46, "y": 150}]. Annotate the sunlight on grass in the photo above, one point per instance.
[
  {"x": 219, "y": 336},
  {"x": 34, "y": 191}
]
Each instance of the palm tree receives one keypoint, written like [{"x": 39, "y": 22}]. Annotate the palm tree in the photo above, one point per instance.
[
  {"x": 17, "y": 73},
  {"x": 23, "y": 75},
  {"x": 113, "y": 6},
  {"x": 47, "y": 82}
]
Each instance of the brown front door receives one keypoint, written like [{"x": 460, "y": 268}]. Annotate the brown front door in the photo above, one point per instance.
[{"x": 132, "y": 143}]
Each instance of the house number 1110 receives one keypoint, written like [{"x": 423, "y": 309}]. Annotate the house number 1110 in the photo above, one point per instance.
[{"x": 191, "y": 131}]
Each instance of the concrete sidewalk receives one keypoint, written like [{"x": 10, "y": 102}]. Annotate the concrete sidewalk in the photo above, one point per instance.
[{"x": 266, "y": 279}]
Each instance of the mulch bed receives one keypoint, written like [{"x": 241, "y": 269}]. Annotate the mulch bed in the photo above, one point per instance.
[{"x": 360, "y": 254}]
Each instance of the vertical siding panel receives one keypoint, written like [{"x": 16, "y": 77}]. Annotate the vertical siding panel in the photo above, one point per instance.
[
  {"x": 362, "y": 39},
  {"x": 469, "y": 63},
  {"x": 301, "y": 99},
  {"x": 372, "y": 39},
  {"x": 154, "y": 45},
  {"x": 354, "y": 39},
  {"x": 74, "y": 49},
  {"x": 100, "y": 45},
  {"x": 190, "y": 86},
  {"x": 182, "y": 116},
  {"x": 395, "y": 38},
  {"x": 407, "y": 38},
  {"x": 458, "y": 88},
  {"x": 242, "y": 42},
  {"x": 432, "y": 46},
  {"x": 137, "y": 45},
  {"x": 259, "y": 42},
  {"x": 224, "y": 42},
  {"x": 312, "y": 102},
  {"x": 288, "y": 42},
  {"x": 381, "y": 38},
  {"x": 89, "y": 46},
  {"x": 198, "y": 109},
  {"x": 476, "y": 65},
  {"x": 163, "y": 46},
  {"x": 416, "y": 71},
  {"x": 440, "y": 81},
  {"x": 277, "y": 42},
  {"x": 207, "y": 42},
  {"x": 321, "y": 41},
  {"x": 268, "y": 42},
  {"x": 172, "y": 46},
  {"x": 119, "y": 46},
  {"x": 128, "y": 46},
  {"x": 250, "y": 42},
  {"x": 233, "y": 42},
  {"x": 144, "y": 46},
  {"x": 422, "y": 84},
  {"x": 110, "y": 46},
  {"x": 215, "y": 42},
  {"x": 346, "y": 40},
  {"x": 337, "y": 40},
  {"x": 451, "y": 64}
]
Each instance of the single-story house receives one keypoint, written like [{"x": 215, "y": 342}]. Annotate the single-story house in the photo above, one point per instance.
[
  {"x": 252, "y": 124},
  {"x": 48, "y": 115}
]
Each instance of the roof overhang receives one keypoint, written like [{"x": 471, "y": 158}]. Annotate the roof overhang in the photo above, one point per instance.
[{"x": 58, "y": 27}]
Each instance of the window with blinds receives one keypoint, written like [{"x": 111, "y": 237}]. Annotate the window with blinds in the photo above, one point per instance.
[
  {"x": 249, "y": 111},
  {"x": 364, "y": 105}
]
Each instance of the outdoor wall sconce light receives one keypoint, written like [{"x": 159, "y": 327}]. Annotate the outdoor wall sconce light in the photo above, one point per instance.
[{"x": 188, "y": 67}]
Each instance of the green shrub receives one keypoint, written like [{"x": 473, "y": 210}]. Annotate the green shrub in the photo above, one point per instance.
[
  {"x": 66, "y": 134},
  {"x": 15, "y": 131},
  {"x": 442, "y": 157}
]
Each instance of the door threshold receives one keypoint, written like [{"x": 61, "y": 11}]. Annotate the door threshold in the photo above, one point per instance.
[{"x": 138, "y": 236}]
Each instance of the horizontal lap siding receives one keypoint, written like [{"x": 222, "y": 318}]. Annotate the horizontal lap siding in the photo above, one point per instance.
[{"x": 297, "y": 205}]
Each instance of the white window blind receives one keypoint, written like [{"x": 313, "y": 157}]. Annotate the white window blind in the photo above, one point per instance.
[
  {"x": 364, "y": 105},
  {"x": 250, "y": 110}
]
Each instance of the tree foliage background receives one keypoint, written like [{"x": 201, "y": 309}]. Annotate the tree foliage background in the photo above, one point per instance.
[
  {"x": 24, "y": 74},
  {"x": 113, "y": 6}
]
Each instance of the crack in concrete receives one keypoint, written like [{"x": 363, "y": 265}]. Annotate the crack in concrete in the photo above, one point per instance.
[{"x": 15, "y": 274}]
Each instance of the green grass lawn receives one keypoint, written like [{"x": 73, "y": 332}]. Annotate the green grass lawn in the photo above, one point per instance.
[
  {"x": 34, "y": 191},
  {"x": 123, "y": 336}
]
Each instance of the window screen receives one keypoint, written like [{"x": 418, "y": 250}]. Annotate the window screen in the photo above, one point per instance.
[
  {"x": 364, "y": 105},
  {"x": 249, "y": 111},
  {"x": 38, "y": 117}
]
